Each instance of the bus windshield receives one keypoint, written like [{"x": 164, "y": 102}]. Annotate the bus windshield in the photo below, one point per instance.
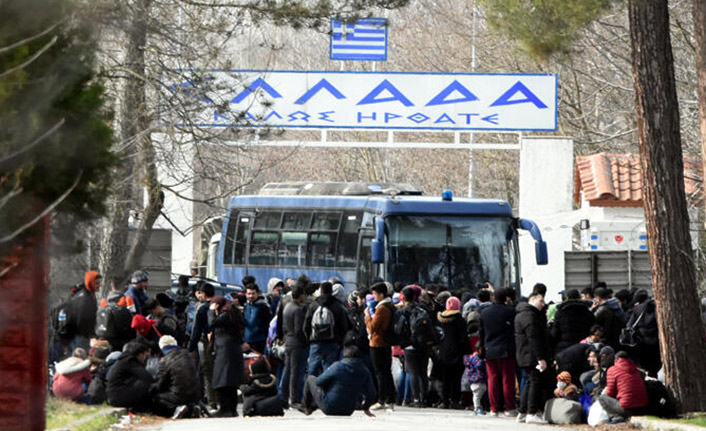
[{"x": 456, "y": 251}]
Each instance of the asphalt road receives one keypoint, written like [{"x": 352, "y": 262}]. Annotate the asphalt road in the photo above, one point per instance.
[{"x": 402, "y": 419}]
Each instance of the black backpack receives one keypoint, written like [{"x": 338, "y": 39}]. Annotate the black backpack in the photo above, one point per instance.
[
  {"x": 399, "y": 332},
  {"x": 114, "y": 321},
  {"x": 659, "y": 402},
  {"x": 424, "y": 333}
]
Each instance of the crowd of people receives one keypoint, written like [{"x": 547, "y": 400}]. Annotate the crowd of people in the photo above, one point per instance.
[{"x": 304, "y": 345}]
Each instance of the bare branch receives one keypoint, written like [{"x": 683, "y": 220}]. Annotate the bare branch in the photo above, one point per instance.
[{"x": 35, "y": 56}]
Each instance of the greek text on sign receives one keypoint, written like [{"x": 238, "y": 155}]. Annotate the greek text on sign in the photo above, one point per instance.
[{"x": 376, "y": 100}]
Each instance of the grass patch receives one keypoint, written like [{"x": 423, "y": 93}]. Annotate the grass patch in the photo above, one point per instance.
[
  {"x": 697, "y": 419},
  {"x": 61, "y": 413}
]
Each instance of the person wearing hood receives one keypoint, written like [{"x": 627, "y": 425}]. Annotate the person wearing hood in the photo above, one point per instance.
[
  {"x": 257, "y": 319},
  {"x": 609, "y": 315},
  {"x": 532, "y": 341},
  {"x": 378, "y": 323},
  {"x": 644, "y": 319},
  {"x": 177, "y": 389},
  {"x": 625, "y": 392},
  {"x": 452, "y": 347},
  {"x": 137, "y": 290},
  {"x": 325, "y": 326},
  {"x": 72, "y": 377},
  {"x": 260, "y": 393},
  {"x": 128, "y": 381},
  {"x": 275, "y": 290},
  {"x": 339, "y": 293},
  {"x": 572, "y": 322},
  {"x": 344, "y": 387},
  {"x": 81, "y": 312}
]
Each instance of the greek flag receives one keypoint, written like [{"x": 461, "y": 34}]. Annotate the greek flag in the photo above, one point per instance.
[{"x": 365, "y": 39}]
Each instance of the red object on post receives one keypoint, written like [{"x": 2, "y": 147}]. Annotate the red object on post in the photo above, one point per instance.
[{"x": 23, "y": 334}]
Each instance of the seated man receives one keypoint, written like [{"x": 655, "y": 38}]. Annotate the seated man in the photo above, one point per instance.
[
  {"x": 128, "y": 380},
  {"x": 625, "y": 393},
  {"x": 260, "y": 393},
  {"x": 344, "y": 387},
  {"x": 178, "y": 387}
]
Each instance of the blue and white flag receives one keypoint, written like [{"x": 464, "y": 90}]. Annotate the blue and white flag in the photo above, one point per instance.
[{"x": 365, "y": 39}]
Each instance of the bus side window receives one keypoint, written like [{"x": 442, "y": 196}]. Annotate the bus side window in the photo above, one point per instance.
[
  {"x": 322, "y": 249},
  {"x": 263, "y": 248},
  {"x": 348, "y": 240},
  {"x": 230, "y": 239},
  {"x": 241, "y": 239}
]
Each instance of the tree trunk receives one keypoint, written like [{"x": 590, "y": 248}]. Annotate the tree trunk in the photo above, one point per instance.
[
  {"x": 119, "y": 258},
  {"x": 681, "y": 332},
  {"x": 699, "y": 15}
]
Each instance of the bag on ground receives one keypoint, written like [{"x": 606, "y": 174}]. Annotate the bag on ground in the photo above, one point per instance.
[
  {"x": 563, "y": 412},
  {"x": 597, "y": 415}
]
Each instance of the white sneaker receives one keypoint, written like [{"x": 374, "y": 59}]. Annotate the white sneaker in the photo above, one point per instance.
[
  {"x": 521, "y": 418},
  {"x": 511, "y": 413},
  {"x": 535, "y": 419},
  {"x": 378, "y": 406},
  {"x": 494, "y": 414},
  {"x": 390, "y": 407}
]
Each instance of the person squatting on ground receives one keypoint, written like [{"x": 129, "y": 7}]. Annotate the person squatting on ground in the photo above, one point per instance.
[
  {"x": 72, "y": 377},
  {"x": 260, "y": 393},
  {"x": 177, "y": 390},
  {"x": 344, "y": 387}
]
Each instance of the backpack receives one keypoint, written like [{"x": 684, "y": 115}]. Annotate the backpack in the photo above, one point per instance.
[
  {"x": 113, "y": 321},
  {"x": 60, "y": 322},
  {"x": 660, "y": 403},
  {"x": 322, "y": 323},
  {"x": 423, "y": 331},
  {"x": 399, "y": 330}
]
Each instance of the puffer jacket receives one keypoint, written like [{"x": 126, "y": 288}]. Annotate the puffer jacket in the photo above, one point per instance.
[
  {"x": 572, "y": 323},
  {"x": 71, "y": 374},
  {"x": 128, "y": 382},
  {"x": 177, "y": 374},
  {"x": 612, "y": 318},
  {"x": 455, "y": 343},
  {"x": 625, "y": 384},
  {"x": 260, "y": 396},
  {"x": 531, "y": 335}
]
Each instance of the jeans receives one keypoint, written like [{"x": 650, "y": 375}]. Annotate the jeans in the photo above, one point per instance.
[
  {"x": 313, "y": 394},
  {"x": 415, "y": 363},
  {"x": 404, "y": 388},
  {"x": 382, "y": 363},
  {"x": 532, "y": 396},
  {"x": 321, "y": 355},
  {"x": 501, "y": 383},
  {"x": 293, "y": 375}
]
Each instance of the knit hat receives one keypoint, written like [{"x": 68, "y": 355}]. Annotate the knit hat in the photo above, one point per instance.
[
  {"x": 565, "y": 377},
  {"x": 453, "y": 304},
  {"x": 166, "y": 340},
  {"x": 259, "y": 367},
  {"x": 139, "y": 276},
  {"x": 90, "y": 280}
]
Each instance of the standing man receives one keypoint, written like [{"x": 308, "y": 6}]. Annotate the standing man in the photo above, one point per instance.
[
  {"x": 325, "y": 325},
  {"x": 81, "y": 313},
  {"x": 497, "y": 341},
  {"x": 295, "y": 344},
  {"x": 610, "y": 316},
  {"x": 275, "y": 290},
  {"x": 199, "y": 335},
  {"x": 257, "y": 319},
  {"x": 532, "y": 341},
  {"x": 380, "y": 349},
  {"x": 136, "y": 291}
]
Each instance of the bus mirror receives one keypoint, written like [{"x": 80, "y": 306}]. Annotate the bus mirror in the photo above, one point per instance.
[
  {"x": 378, "y": 244},
  {"x": 378, "y": 251},
  {"x": 540, "y": 251}
]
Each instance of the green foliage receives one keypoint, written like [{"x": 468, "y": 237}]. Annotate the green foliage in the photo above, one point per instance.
[
  {"x": 543, "y": 27},
  {"x": 44, "y": 82}
]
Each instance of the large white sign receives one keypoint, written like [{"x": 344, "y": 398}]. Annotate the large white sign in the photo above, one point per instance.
[{"x": 367, "y": 100}]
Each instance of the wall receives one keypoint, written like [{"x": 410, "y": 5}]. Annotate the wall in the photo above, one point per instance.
[{"x": 546, "y": 196}]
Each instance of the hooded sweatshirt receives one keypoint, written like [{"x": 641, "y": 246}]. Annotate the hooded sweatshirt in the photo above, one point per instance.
[
  {"x": 71, "y": 374},
  {"x": 81, "y": 313}
]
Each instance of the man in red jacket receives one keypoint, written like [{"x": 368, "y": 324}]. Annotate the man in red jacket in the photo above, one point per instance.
[{"x": 625, "y": 394}]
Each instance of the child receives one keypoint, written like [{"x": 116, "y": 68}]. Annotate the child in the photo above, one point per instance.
[
  {"x": 564, "y": 387},
  {"x": 73, "y": 377},
  {"x": 475, "y": 370},
  {"x": 260, "y": 395}
]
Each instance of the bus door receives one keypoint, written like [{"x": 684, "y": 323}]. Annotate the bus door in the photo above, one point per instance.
[{"x": 365, "y": 270}]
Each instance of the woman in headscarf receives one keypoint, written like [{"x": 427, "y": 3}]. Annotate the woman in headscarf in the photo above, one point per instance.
[{"x": 227, "y": 325}]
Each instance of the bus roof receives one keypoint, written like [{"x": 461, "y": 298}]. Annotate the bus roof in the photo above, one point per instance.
[{"x": 380, "y": 205}]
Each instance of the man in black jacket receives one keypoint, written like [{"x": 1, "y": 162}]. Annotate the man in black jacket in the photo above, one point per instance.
[
  {"x": 177, "y": 388},
  {"x": 295, "y": 342},
  {"x": 128, "y": 380},
  {"x": 532, "y": 341},
  {"x": 610, "y": 316},
  {"x": 572, "y": 321},
  {"x": 497, "y": 343},
  {"x": 204, "y": 293},
  {"x": 325, "y": 326}
]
